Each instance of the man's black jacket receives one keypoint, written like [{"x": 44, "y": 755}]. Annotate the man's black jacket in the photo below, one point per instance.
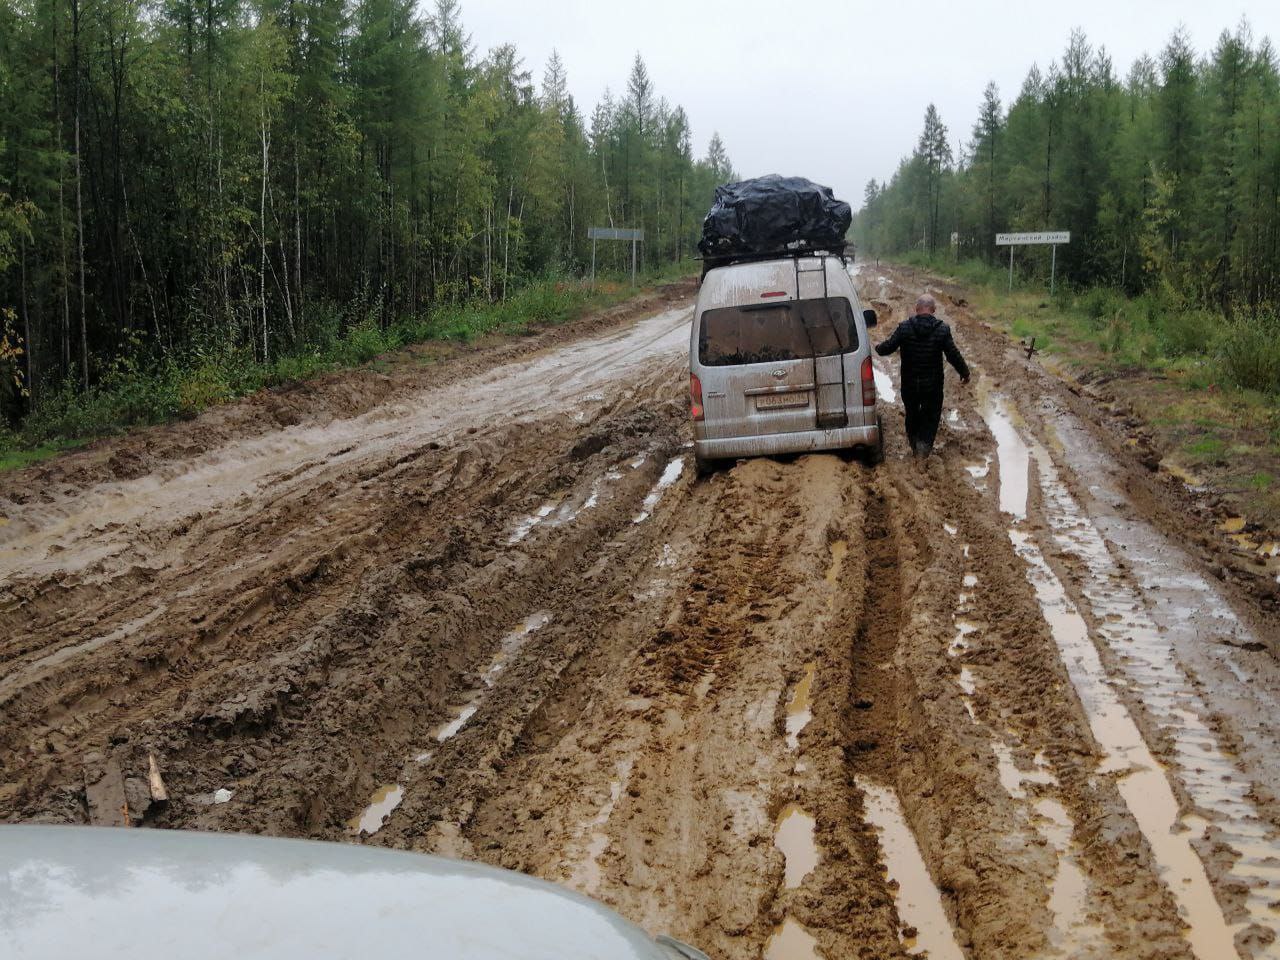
[{"x": 924, "y": 340}]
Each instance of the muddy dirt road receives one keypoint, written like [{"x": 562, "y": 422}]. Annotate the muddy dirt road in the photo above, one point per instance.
[{"x": 994, "y": 707}]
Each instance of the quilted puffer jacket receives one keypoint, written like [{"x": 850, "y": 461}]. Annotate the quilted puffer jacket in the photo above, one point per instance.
[{"x": 924, "y": 341}]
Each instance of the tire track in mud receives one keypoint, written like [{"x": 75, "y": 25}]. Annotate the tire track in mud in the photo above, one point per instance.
[
  {"x": 685, "y": 765},
  {"x": 244, "y": 663}
]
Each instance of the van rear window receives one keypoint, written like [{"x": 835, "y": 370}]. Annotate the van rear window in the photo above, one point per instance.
[{"x": 771, "y": 332}]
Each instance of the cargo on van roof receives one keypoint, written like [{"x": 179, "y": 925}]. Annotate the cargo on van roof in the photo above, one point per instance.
[{"x": 773, "y": 215}]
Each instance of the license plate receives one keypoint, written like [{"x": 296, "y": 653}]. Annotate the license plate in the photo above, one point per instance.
[{"x": 774, "y": 401}]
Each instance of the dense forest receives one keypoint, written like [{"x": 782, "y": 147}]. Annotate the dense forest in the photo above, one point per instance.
[
  {"x": 1167, "y": 178},
  {"x": 189, "y": 178}
]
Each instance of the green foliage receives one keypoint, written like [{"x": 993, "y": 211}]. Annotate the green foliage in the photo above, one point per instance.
[
  {"x": 1250, "y": 354},
  {"x": 1169, "y": 180},
  {"x": 1261, "y": 481},
  {"x": 251, "y": 190},
  {"x": 1206, "y": 448}
]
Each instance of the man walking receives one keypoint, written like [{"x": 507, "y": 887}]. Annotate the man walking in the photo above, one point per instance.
[{"x": 924, "y": 340}]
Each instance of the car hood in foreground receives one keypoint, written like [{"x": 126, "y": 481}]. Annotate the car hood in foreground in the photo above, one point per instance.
[{"x": 161, "y": 895}]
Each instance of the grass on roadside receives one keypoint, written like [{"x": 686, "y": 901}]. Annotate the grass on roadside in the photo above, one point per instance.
[{"x": 131, "y": 394}]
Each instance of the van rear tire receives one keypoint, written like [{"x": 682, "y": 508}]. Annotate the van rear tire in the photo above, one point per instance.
[{"x": 873, "y": 455}]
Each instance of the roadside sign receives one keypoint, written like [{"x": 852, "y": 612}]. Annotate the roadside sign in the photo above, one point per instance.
[
  {"x": 1053, "y": 237},
  {"x": 614, "y": 233},
  {"x": 1042, "y": 236}
]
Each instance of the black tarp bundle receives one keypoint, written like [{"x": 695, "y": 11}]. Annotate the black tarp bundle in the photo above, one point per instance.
[{"x": 773, "y": 213}]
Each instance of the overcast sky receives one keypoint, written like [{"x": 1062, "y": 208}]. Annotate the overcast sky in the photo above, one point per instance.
[{"x": 834, "y": 91}]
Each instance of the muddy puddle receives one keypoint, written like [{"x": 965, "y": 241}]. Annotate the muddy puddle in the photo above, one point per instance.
[
  {"x": 564, "y": 508},
  {"x": 800, "y": 707},
  {"x": 670, "y": 474},
  {"x": 587, "y": 874},
  {"x": 915, "y": 895},
  {"x": 371, "y": 819},
  {"x": 1072, "y": 934},
  {"x": 507, "y": 648},
  {"x": 1142, "y": 781},
  {"x": 388, "y": 797},
  {"x": 1265, "y": 553},
  {"x": 1011, "y": 454},
  {"x": 791, "y": 941},
  {"x": 526, "y": 525},
  {"x": 794, "y": 835},
  {"x": 839, "y": 550}
]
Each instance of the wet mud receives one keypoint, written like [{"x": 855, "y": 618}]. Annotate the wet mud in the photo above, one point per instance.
[{"x": 996, "y": 704}]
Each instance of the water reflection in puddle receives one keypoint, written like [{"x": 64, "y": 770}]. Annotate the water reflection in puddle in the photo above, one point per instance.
[
  {"x": 507, "y": 648},
  {"x": 669, "y": 476},
  {"x": 1267, "y": 553},
  {"x": 839, "y": 548},
  {"x": 1012, "y": 454},
  {"x": 793, "y": 835},
  {"x": 791, "y": 941},
  {"x": 525, "y": 526},
  {"x": 385, "y": 800},
  {"x": 917, "y": 899},
  {"x": 800, "y": 707},
  {"x": 979, "y": 471}
]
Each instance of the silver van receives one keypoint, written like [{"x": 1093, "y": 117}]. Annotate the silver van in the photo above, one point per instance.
[{"x": 780, "y": 361}]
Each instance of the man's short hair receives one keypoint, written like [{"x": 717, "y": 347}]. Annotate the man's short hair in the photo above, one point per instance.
[{"x": 926, "y": 303}]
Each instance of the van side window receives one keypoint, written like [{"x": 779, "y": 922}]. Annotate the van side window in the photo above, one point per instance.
[{"x": 773, "y": 332}]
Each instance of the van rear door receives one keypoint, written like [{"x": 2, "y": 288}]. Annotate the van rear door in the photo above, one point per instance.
[{"x": 767, "y": 367}]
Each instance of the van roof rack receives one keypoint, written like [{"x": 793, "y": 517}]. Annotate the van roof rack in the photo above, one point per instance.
[{"x": 844, "y": 251}]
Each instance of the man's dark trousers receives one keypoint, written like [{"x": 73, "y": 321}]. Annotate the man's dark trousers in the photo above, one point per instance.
[{"x": 923, "y": 409}]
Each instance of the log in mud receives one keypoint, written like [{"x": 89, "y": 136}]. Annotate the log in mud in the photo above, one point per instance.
[{"x": 994, "y": 705}]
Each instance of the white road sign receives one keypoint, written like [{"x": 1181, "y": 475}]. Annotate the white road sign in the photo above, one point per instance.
[
  {"x": 613, "y": 233},
  {"x": 1042, "y": 236}
]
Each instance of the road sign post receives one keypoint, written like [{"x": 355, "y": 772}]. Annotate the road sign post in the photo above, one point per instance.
[
  {"x": 614, "y": 233},
  {"x": 1051, "y": 237}
]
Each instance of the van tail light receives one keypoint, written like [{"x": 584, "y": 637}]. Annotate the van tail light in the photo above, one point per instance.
[
  {"x": 695, "y": 397},
  {"x": 868, "y": 384}
]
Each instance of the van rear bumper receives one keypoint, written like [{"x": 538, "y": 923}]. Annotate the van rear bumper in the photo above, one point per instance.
[{"x": 798, "y": 442}]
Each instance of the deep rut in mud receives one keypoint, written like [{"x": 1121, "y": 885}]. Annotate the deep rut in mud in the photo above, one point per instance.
[{"x": 985, "y": 706}]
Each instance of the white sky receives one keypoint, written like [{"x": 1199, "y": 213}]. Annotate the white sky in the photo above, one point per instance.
[{"x": 834, "y": 91}]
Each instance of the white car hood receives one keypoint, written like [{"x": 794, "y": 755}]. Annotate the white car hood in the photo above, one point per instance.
[{"x": 163, "y": 895}]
